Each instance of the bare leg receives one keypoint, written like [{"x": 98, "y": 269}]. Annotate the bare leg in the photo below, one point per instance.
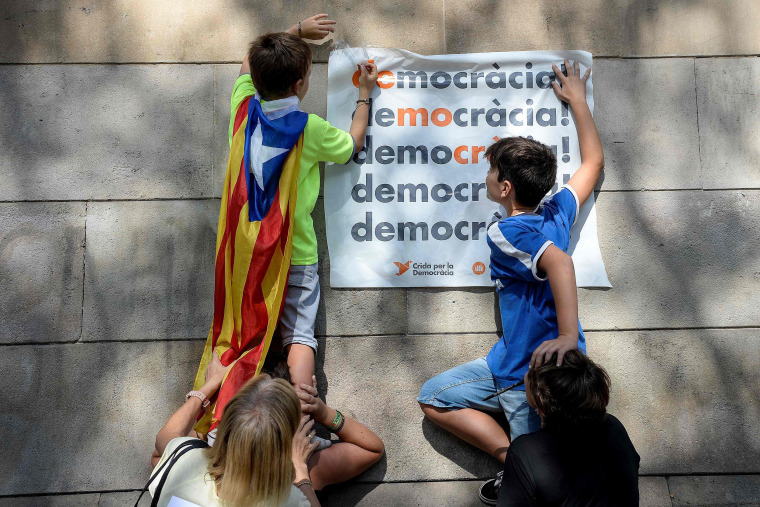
[
  {"x": 300, "y": 364},
  {"x": 473, "y": 426}
]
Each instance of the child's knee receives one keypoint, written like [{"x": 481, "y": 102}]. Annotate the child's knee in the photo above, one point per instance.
[{"x": 430, "y": 411}]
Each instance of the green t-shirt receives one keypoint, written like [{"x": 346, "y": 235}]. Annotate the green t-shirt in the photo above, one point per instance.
[{"x": 322, "y": 143}]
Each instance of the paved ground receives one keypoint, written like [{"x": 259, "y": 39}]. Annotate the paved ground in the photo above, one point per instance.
[{"x": 114, "y": 119}]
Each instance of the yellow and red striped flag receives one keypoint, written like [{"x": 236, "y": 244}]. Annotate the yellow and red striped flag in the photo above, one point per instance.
[{"x": 253, "y": 244}]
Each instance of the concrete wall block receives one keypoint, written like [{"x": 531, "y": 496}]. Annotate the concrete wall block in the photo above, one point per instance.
[
  {"x": 352, "y": 312},
  {"x": 473, "y": 310},
  {"x": 105, "y": 132},
  {"x": 667, "y": 28},
  {"x": 135, "y": 31},
  {"x": 83, "y": 417},
  {"x": 729, "y": 121},
  {"x": 85, "y": 500},
  {"x": 41, "y": 271},
  {"x": 702, "y": 27},
  {"x": 149, "y": 270},
  {"x": 418, "y": 494},
  {"x": 705, "y": 402},
  {"x": 475, "y": 26},
  {"x": 676, "y": 259},
  {"x": 377, "y": 380},
  {"x": 315, "y": 102},
  {"x": 653, "y": 492},
  {"x": 646, "y": 113},
  {"x": 715, "y": 491},
  {"x": 124, "y": 498},
  {"x": 688, "y": 399}
]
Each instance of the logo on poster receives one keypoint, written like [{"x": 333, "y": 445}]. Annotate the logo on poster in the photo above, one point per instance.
[
  {"x": 402, "y": 267},
  {"x": 478, "y": 268}
]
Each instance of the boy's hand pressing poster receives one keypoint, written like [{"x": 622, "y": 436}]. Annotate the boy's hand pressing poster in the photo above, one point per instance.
[{"x": 411, "y": 209}]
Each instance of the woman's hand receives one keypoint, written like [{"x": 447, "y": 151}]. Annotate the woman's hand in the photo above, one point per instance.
[
  {"x": 314, "y": 28},
  {"x": 573, "y": 86},
  {"x": 313, "y": 405},
  {"x": 303, "y": 448},
  {"x": 215, "y": 373}
]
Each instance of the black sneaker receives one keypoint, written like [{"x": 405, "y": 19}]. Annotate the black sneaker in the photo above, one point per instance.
[{"x": 489, "y": 490}]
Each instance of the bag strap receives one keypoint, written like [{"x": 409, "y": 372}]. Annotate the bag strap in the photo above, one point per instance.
[{"x": 184, "y": 447}]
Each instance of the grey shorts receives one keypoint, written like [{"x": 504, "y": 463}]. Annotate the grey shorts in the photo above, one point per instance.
[{"x": 299, "y": 310}]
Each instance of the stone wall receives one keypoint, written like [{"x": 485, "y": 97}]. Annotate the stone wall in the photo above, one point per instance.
[{"x": 112, "y": 154}]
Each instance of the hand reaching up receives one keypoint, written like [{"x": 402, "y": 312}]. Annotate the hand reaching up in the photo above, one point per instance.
[
  {"x": 573, "y": 86},
  {"x": 317, "y": 27}
]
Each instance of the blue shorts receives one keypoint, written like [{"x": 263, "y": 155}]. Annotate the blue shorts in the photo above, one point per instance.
[
  {"x": 299, "y": 309},
  {"x": 466, "y": 385}
]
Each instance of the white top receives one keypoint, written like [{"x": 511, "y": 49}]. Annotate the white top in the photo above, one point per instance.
[{"x": 189, "y": 480}]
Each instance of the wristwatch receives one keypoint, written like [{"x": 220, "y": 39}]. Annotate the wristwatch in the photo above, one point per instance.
[{"x": 200, "y": 396}]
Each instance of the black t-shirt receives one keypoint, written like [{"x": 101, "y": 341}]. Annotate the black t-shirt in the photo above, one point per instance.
[{"x": 595, "y": 466}]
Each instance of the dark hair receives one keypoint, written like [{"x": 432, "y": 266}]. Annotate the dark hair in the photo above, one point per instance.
[
  {"x": 529, "y": 165},
  {"x": 278, "y": 60},
  {"x": 572, "y": 395},
  {"x": 276, "y": 366}
]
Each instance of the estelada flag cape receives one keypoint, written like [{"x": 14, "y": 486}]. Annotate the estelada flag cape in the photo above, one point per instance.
[{"x": 254, "y": 241}]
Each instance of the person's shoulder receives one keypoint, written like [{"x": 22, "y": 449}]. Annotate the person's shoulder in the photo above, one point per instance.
[
  {"x": 175, "y": 442},
  {"x": 243, "y": 86},
  {"x": 511, "y": 228},
  {"x": 564, "y": 203},
  {"x": 616, "y": 428},
  {"x": 520, "y": 223},
  {"x": 316, "y": 124},
  {"x": 527, "y": 442},
  {"x": 614, "y": 423}
]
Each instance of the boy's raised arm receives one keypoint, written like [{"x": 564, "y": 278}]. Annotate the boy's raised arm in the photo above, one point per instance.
[
  {"x": 559, "y": 269},
  {"x": 367, "y": 80},
  {"x": 316, "y": 27},
  {"x": 573, "y": 91}
]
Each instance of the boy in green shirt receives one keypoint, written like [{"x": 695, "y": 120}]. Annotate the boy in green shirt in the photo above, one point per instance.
[{"x": 278, "y": 67}]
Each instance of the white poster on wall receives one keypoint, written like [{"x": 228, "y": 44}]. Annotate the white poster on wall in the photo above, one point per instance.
[{"x": 410, "y": 209}]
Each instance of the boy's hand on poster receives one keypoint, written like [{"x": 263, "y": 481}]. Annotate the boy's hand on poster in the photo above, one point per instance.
[
  {"x": 545, "y": 351},
  {"x": 368, "y": 77},
  {"x": 573, "y": 87},
  {"x": 317, "y": 27}
]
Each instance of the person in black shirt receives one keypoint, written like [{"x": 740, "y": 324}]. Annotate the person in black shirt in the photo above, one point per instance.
[{"x": 581, "y": 455}]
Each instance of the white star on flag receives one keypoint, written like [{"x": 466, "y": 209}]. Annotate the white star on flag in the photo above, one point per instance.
[{"x": 261, "y": 154}]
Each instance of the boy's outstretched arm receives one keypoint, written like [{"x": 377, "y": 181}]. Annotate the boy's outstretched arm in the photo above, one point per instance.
[
  {"x": 559, "y": 269},
  {"x": 316, "y": 27},
  {"x": 573, "y": 91},
  {"x": 367, "y": 80}
]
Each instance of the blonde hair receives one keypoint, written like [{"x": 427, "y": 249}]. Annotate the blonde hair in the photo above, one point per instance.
[{"x": 250, "y": 461}]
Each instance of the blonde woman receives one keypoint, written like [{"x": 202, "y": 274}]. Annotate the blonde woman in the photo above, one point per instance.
[{"x": 261, "y": 449}]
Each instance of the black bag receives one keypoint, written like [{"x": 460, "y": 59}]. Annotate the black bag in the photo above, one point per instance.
[{"x": 181, "y": 449}]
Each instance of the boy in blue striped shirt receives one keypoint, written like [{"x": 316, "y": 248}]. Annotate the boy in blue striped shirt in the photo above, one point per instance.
[{"x": 535, "y": 280}]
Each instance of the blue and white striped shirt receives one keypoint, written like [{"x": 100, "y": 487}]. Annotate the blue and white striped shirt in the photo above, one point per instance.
[{"x": 528, "y": 313}]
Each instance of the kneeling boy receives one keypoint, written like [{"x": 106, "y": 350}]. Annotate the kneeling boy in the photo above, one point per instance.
[{"x": 535, "y": 280}]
